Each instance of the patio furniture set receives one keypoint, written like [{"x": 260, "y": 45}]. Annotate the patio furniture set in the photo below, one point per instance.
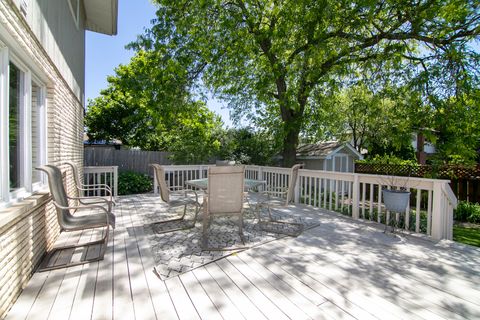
[{"x": 224, "y": 193}]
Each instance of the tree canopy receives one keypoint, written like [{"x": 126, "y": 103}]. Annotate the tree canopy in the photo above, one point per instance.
[
  {"x": 268, "y": 59},
  {"x": 148, "y": 105}
]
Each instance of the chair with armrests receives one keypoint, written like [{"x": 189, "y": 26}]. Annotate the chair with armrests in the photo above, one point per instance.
[
  {"x": 181, "y": 198},
  {"x": 224, "y": 197},
  {"x": 85, "y": 188},
  {"x": 69, "y": 219},
  {"x": 275, "y": 198}
]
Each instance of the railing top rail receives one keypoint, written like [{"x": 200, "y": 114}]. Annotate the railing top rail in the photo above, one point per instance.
[
  {"x": 335, "y": 175},
  {"x": 269, "y": 169},
  {"x": 94, "y": 169},
  {"x": 186, "y": 167}
]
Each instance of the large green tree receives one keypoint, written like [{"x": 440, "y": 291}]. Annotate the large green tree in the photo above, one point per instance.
[
  {"x": 148, "y": 105},
  {"x": 267, "y": 57}
]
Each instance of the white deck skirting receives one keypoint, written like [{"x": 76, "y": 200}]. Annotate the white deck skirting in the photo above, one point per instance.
[{"x": 342, "y": 269}]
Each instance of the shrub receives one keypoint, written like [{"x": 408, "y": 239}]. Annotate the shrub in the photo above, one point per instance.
[
  {"x": 130, "y": 182},
  {"x": 467, "y": 211},
  {"x": 388, "y": 159}
]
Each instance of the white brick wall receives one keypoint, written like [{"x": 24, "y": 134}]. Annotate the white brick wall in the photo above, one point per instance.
[{"x": 32, "y": 226}]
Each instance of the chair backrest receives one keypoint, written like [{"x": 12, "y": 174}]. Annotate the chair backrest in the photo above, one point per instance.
[
  {"x": 292, "y": 180},
  {"x": 225, "y": 189},
  {"x": 59, "y": 195},
  {"x": 160, "y": 177},
  {"x": 76, "y": 176}
]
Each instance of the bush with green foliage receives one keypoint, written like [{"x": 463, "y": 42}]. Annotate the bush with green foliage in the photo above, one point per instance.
[
  {"x": 388, "y": 159},
  {"x": 130, "y": 182},
  {"x": 467, "y": 211}
]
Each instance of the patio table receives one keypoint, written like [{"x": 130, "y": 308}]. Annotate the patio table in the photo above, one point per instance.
[{"x": 203, "y": 183}]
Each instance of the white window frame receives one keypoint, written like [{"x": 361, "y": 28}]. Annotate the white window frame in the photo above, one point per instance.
[
  {"x": 42, "y": 132},
  {"x": 25, "y": 117}
]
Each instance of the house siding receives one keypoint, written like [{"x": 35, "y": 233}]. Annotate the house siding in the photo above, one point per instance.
[{"x": 31, "y": 228}]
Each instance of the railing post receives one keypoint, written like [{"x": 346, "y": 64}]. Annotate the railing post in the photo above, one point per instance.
[
  {"x": 438, "y": 213},
  {"x": 296, "y": 190},
  {"x": 355, "y": 196},
  {"x": 115, "y": 181}
]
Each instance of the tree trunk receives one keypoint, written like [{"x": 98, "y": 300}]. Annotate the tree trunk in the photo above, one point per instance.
[{"x": 290, "y": 143}]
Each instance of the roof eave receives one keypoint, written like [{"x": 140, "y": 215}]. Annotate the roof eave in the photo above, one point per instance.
[{"x": 101, "y": 16}]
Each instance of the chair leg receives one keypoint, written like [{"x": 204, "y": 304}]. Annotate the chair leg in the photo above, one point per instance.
[
  {"x": 240, "y": 228},
  {"x": 206, "y": 226},
  {"x": 104, "y": 241},
  {"x": 272, "y": 220},
  {"x": 190, "y": 226}
]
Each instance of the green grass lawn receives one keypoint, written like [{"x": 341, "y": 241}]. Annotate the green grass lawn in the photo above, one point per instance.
[{"x": 467, "y": 235}]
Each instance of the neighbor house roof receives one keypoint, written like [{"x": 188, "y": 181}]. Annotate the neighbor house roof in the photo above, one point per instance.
[
  {"x": 101, "y": 16},
  {"x": 325, "y": 150}
]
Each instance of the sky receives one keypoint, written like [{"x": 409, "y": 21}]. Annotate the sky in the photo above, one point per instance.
[{"x": 104, "y": 53}]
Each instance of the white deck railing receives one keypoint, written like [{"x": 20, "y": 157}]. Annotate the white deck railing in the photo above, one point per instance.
[
  {"x": 357, "y": 195},
  {"x": 102, "y": 175}
]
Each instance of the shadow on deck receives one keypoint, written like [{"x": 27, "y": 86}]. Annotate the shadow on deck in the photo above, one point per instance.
[{"x": 341, "y": 269}]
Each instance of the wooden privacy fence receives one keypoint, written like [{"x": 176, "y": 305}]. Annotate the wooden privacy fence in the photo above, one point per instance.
[
  {"x": 464, "y": 181},
  {"x": 125, "y": 160}
]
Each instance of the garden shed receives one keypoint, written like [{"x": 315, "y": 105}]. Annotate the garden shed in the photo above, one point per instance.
[{"x": 329, "y": 156}]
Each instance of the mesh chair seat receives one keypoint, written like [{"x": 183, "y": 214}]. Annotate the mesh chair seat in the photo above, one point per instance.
[{"x": 174, "y": 199}]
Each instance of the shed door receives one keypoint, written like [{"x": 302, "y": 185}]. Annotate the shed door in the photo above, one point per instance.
[{"x": 340, "y": 163}]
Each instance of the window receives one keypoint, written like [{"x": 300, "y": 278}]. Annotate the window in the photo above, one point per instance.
[
  {"x": 15, "y": 126},
  {"x": 23, "y": 133}
]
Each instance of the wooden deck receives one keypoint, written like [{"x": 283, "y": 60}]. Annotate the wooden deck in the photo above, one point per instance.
[{"x": 342, "y": 269}]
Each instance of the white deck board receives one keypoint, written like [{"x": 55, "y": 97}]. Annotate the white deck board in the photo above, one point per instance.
[
  {"x": 204, "y": 306},
  {"x": 222, "y": 302},
  {"x": 268, "y": 308},
  {"x": 161, "y": 300},
  {"x": 183, "y": 305},
  {"x": 301, "y": 301},
  {"x": 283, "y": 299},
  {"x": 241, "y": 301},
  {"x": 342, "y": 269}
]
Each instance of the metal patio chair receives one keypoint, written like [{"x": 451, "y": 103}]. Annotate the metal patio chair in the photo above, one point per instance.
[
  {"x": 224, "y": 197},
  {"x": 181, "y": 198},
  {"x": 276, "y": 198},
  {"x": 69, "y": 219},
  {"x": 86, "y": 188}
]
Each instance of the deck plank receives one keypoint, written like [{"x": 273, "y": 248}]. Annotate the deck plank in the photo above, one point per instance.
[
  {"x": 183, "y": 305},
  {"x": 367, "y": 281},
  {"x": 122, "y": 292},
  {"x": 66, "y": 295},
  {"x": 291, "y": 280},
  {"x": 271, "y": 292},
  {"x": 142, "y": 300},
  {"x": 26, "y": 301},
  {"x": 222, "y": 302},
  {"x": 241, "y": 301},
  {"x": 162, "y": 303},
  {"x": 202, "y": 302},
  {"x": 384, "y": 267},
  {"x": 267, "y": 307},
  {"x": 302, "y": 302},
  {"x": 102, "y": 275}
]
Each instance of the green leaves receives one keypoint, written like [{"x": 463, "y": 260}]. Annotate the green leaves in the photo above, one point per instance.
[{"x": 148, "y": 105}]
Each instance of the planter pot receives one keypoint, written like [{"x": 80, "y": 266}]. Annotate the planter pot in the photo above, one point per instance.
[{"x": 396, "y": 200}]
